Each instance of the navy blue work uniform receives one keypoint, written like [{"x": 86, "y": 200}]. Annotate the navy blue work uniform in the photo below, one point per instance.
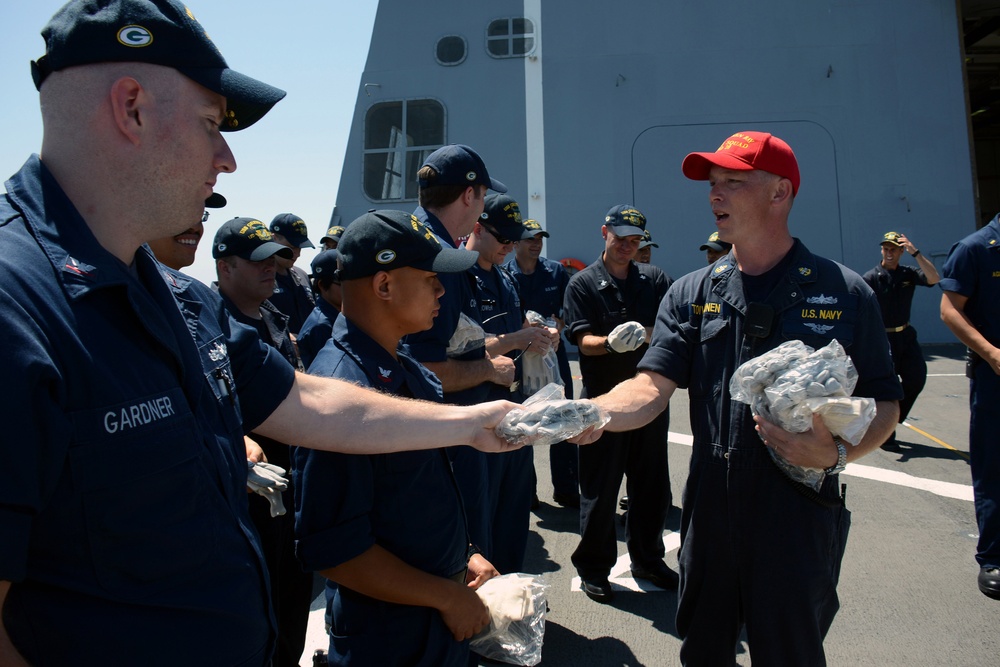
[
  {"x": 432, "y": 345},
  {"x": 407, "y": 503},
  {"x": 973, "y": 270},
  {"x": 293, "y": 297},
  {"x": 125, "y": 531},
  {"x": 894, "y": 290},
  {"x": 543, "y": 291},
  {"x": 596, "y": 303},
  {"x": 754, "y": 549},
  {"x": 511, "y": 474},
  {"x": 291, "y": 587},
  {"x": 316, "y": 330}
]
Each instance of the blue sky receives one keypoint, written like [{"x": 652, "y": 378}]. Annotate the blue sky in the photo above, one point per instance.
[{"x": 290, "y": 161}]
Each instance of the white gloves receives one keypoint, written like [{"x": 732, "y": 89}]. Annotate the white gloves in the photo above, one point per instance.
[
  {"x": 627, "y": 337},
  {"x": 269, "y": 481}
]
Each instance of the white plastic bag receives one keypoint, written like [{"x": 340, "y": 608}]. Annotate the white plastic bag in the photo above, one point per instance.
[
  {"x": 517, "y": 619},
  {"x": 539, "y": 369},
  {"x": 788, "y": 384},
  {"x": 547, "y": 417},
  {"x": 467, "y": 337}
]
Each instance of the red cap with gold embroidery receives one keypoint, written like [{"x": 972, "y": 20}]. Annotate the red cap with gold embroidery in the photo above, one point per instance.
[{"x": 745, "y": 151}]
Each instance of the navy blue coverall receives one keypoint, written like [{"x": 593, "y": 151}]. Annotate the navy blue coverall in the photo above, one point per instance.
[
  {"x": 597, "y": 303},
  {"x": 973, "y": 270},
  {"x": 754, "y": 549},
  {"x": 125, "y": 531},
  {"x": 432, "y": 345},
  {"x": 511, "y": 474},
  {"x": 407, "y": 503},
  {"x": 894, "y": 290}
]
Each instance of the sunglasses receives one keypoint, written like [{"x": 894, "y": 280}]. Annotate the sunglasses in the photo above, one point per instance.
[{"x": 495, "y": 234}]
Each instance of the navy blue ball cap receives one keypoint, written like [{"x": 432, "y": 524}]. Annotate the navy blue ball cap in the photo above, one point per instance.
[
  {"x": 292, "y": 228},
  {"x": 159, "y": 32},
  {"x": 715, "y": 244},
  {"x": 503, "y": 215},
  {"x": 215, "y": 200},
  {"x": 647, "y": 241},
  {"x": 533, "y": 228},
  {"x": 625, "y": 220},
  {"x": 247, "y": 238},
  {"x": 333, "y": 234},
  {"x": 324, "y": 264},
  {"x": 386, "y": 240},
  {"x": 457, "y": 164}
]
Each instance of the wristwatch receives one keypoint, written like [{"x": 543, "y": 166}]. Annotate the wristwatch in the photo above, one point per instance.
[
  {"x": 607, "y": 347},
  {"x": 841, "y": 463}
]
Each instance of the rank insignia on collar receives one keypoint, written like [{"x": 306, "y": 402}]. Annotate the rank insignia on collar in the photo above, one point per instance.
[
  {"x": 805, "y": 270},
  {"x": 721, "y": 267},
  {"x": 602, "y": 284},
  {"x": 217, "y": 353},
  {"x": 386, "y": 375}
]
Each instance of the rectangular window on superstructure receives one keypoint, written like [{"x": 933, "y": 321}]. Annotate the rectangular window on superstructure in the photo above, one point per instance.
[
  {"x": 510, "y": 37},
  {"x": 398, "y": 138}
]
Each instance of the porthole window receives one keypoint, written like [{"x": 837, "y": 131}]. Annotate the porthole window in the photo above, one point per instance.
[
  {"x": 398, "y": 138},
  {"x": 510, "y": 37},
  {"x": 451, "y": 50}
]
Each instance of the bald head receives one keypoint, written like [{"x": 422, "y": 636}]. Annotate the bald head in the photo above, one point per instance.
[{"x": 137, "y": 148}]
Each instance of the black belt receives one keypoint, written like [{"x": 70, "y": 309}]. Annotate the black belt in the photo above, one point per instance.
[{"x": 897, "y": 329}]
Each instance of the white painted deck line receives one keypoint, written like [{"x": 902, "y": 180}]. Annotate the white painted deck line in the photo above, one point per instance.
[{"x": 943, "y": 489}]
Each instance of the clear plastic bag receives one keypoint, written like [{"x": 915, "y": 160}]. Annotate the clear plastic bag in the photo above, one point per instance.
[
  {"x": 538, "y": 370},
  {"x": 791, "y": 382},
  {"x": 517, "y": 619},
  {"x": 468, "y": 336},
  {"x": 547, "y": 417}
]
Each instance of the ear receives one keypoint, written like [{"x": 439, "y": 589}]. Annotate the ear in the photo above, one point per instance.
[
  {"x": 604, "y": 232},
  {"x": 382, "y": 285},
  {"x": 469, "y": 195},
  {"x": 222, "y": 267},
  {"x": 783, "y": 191},
  {"x": 128, "y": 101}
]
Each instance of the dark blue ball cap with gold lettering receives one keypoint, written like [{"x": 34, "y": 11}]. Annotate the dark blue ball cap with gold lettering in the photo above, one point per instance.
[
  {"x": 159, "y": 32},
  {"x": 386, "y": 240},
  {"x": 247, "y": 238},
  {"x": 292, "y": 228}
]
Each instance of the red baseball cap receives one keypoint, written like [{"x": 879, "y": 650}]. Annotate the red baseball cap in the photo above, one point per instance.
[{"x": 745, "y": 151}]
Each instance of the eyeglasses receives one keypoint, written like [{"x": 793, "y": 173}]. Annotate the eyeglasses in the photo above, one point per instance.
[{"x": 501, "y": 240}]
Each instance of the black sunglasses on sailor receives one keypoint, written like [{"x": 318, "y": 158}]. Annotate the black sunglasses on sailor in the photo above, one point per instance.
[{"x": 495, "y": 234}]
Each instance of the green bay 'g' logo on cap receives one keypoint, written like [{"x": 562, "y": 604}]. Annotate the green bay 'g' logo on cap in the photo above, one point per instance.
[{"x": 135, "y": 36}]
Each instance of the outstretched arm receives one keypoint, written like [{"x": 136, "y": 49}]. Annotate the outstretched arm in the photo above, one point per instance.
[
  {"x": 330, "y": 414},
  {"x": 633, "y": 403}
]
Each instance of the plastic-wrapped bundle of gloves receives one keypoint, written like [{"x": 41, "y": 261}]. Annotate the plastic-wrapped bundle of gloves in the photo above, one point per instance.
[
  {"x": 791, "y": 382},
  {"x": 547, "y": 417},
  {"x": 517, "y": 619},
  {"x": 269, "y": 481},
  {"x": 539, "y": 369},
  {"x": 468, "y": 336}
]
